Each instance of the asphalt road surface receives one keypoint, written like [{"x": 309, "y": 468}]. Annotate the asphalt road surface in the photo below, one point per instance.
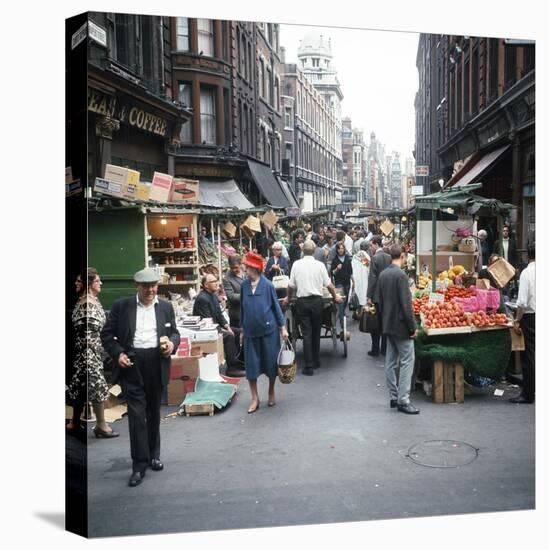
[{"x": 331, "y": 450}]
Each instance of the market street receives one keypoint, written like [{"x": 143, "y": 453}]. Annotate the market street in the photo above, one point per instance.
[{"x": 331, "y": 450}]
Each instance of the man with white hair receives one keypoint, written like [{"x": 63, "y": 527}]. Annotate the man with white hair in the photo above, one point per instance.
[
  {"x": 307, "y": 279},
  {"x": 485, "y": 248}
]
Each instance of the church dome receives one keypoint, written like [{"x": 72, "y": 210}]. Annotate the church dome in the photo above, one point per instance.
[{"x": 315, "y": 43}]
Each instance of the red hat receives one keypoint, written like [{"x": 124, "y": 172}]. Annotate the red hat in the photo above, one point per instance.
[{"x": 253, "y": 260}]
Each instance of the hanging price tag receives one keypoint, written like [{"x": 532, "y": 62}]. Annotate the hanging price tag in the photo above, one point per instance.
[{"x": 435, "y": 298}]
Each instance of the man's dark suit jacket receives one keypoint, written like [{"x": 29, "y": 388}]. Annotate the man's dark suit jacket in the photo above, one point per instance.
[
  {"x": 395, "y": 301},
  {"x": 206, "y": 304},
  {"x": 379, "y": 262},
  {"x": 119, "y": 330}
]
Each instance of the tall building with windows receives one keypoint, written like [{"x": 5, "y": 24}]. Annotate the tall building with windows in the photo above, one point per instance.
[
  {"x": 312, "y": 156},
  {"x": 132, "y": 119},
  {"x": 395, "y": 182},
  {"x": 475, "y": 119},
  {"x": 355, "y": 156},
  {"x": 228, "y": 73}
]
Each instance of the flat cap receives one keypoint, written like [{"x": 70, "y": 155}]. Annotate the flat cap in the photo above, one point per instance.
[{"x": 146, "y": 275}]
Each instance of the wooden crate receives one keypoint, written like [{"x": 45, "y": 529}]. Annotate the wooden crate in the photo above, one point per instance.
[
  {"x": 448, "y": 382},
  {"x": 207, "y": 408}
]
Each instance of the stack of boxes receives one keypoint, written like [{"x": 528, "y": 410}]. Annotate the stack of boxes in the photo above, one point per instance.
[{"x": 124, "y": 183}]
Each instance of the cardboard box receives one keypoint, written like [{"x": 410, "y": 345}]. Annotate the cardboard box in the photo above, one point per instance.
[
  {"x": 161, "y": 187},
  {"x": 185, "y": 191},
  {"x": 212, "y": 347},
  {"x": 229, "y": 230},
  {"x": 483, "y": 283},
  {"x": 206, "y": 335},
  {"x": 387, "y": 228},
  {"x": 108, "y": 188},
  {"x": 73, "y": 188},
  {"x": 116, "y": 174},
  {"x": 133, "y": 177},
  {"x": 186, "y": 366},
  {"x": 68, "y": 174},
  {"x": 143, "y": 191},
  {"x": 269, "y": 219},
  {"x": 251, "y": 225},
  {"x": 502, "y": 272},
  {"x": 177, "y": 391}
]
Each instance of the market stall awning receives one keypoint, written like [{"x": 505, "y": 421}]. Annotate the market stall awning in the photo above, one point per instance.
[
  {"x": 463, "y": 200},
  {"x": 269, "y": 186},
  {"x": 288, "y": 191},
  {"x": 472, "y": 170},
  {"x": 222, "y": 193}
]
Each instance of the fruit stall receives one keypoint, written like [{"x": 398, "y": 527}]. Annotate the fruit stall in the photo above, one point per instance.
[{"x": 463, "y": 334}]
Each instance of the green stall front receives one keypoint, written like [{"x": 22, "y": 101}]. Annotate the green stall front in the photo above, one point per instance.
[{"x": 117, "y": 248}]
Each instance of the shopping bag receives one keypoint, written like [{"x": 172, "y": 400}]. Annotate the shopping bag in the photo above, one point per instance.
[
  {"x": 287, "y": 365},
  {"x": 281, "y": 282},
  {"x": 353, "y": 302},
  {"x": 368, "y": 320},
  {"x": 517, "y": 341}
]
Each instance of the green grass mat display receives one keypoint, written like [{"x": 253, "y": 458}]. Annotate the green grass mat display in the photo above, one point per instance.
[{"x": 481, "y": 353}]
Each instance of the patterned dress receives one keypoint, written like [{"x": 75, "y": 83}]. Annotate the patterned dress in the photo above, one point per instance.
[{"x": 88, "y": 319}]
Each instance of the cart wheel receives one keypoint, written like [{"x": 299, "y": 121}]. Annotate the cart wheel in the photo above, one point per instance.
[{"x": 345, "y": 337}]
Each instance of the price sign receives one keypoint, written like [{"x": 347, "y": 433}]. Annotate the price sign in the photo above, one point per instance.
[{"x": 436, "y": 298}]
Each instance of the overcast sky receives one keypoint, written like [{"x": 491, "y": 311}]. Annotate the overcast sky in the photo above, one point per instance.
[{"x": 378, "y": 77}]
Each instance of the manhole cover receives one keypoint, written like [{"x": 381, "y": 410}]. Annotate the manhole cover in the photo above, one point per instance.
[{"x": 442, "y": 453}]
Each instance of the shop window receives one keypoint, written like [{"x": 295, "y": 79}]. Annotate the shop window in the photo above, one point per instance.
[
  {"x": 207, "y": 116},
  {"x": 182, "y": 34},
  {"x": 205, "y": 37},
  {"x": 185, "y": 97}
]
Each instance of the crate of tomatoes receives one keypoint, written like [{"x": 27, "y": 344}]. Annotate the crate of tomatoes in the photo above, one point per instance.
[{"x": 481, "y": 320}]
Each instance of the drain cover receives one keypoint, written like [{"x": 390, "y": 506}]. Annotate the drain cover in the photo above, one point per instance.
[{"x": 442, "y": 453}]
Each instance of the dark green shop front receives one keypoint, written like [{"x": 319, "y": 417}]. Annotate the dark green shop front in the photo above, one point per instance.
[{"x": 117, "y": 249}]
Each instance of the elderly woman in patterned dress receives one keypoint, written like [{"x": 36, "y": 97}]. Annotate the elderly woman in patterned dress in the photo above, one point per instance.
[{"x": 88, "y": 382}]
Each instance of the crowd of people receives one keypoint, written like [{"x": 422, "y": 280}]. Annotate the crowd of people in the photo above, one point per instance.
[{"x": 140, "y": 332}]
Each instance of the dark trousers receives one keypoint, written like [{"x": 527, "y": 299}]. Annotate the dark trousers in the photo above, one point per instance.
[
  {"x": 231, "y": 346},
  {"x": 345, "y": 289},
  {"x": 142, "y": 388},
  {"x": 377, "y": 336},
  {"x": 528, "y": 356},
  {"x": 309, "y": 314}
]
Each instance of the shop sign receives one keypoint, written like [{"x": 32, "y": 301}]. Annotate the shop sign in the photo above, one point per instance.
[
  {"x": 436, "y": 297},
  {"x": 417, "y": 190},
  {"x": 293, "y": 212},
  {"x": 79, "y": 36},
  {"x": 97, "y": 33},
  {"x": 127, "y": 113},
  {"x": 422, "y": 170}
]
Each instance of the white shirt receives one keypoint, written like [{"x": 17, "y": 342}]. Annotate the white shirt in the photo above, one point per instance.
[
  {"x": 527, "y": 289},
  {"x": 349, "y": 244},
  {"x": 309, "y": 277},
  {"x": 145, "y": 326},
  {"x": 505, "y": 244}
]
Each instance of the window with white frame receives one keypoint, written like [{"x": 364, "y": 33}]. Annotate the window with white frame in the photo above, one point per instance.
[
  {"x": 287, "y": 117},
  {"x": 186, "y": 98},
  {"x": 207, "y": 115},
  {"x": 205, "y": 36},
  {"x": 183, "y": 34}
]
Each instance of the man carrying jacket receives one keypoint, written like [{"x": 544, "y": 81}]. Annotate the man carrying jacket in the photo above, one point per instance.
[
  {"x": 399, "y": 326},
  {"x": 380, "y": 260}
]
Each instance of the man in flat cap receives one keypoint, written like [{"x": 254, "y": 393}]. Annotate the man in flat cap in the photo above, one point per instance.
[{"x": 131, "y": 336}]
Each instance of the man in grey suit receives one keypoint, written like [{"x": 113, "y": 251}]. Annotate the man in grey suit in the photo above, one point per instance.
[
  {"x": 380, "y": 260},
  {"x": 399, "y": 326}
]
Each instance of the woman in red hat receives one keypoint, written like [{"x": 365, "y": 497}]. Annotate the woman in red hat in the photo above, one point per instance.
[{"x": 263, "y": 325}]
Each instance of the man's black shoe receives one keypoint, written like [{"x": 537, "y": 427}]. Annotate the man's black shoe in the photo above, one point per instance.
[
  {"x": 235, "y": 373},
  {"x": 520, "y": 399},
  {"x": 393, "y": 403},
  {"x": 307, "y": 371},
  {"x": 156, "y": 465},
  {"x": 373, "y": 353},
  {"x": 136, "y": 478},
  {"x": 408, "y": 408}
]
